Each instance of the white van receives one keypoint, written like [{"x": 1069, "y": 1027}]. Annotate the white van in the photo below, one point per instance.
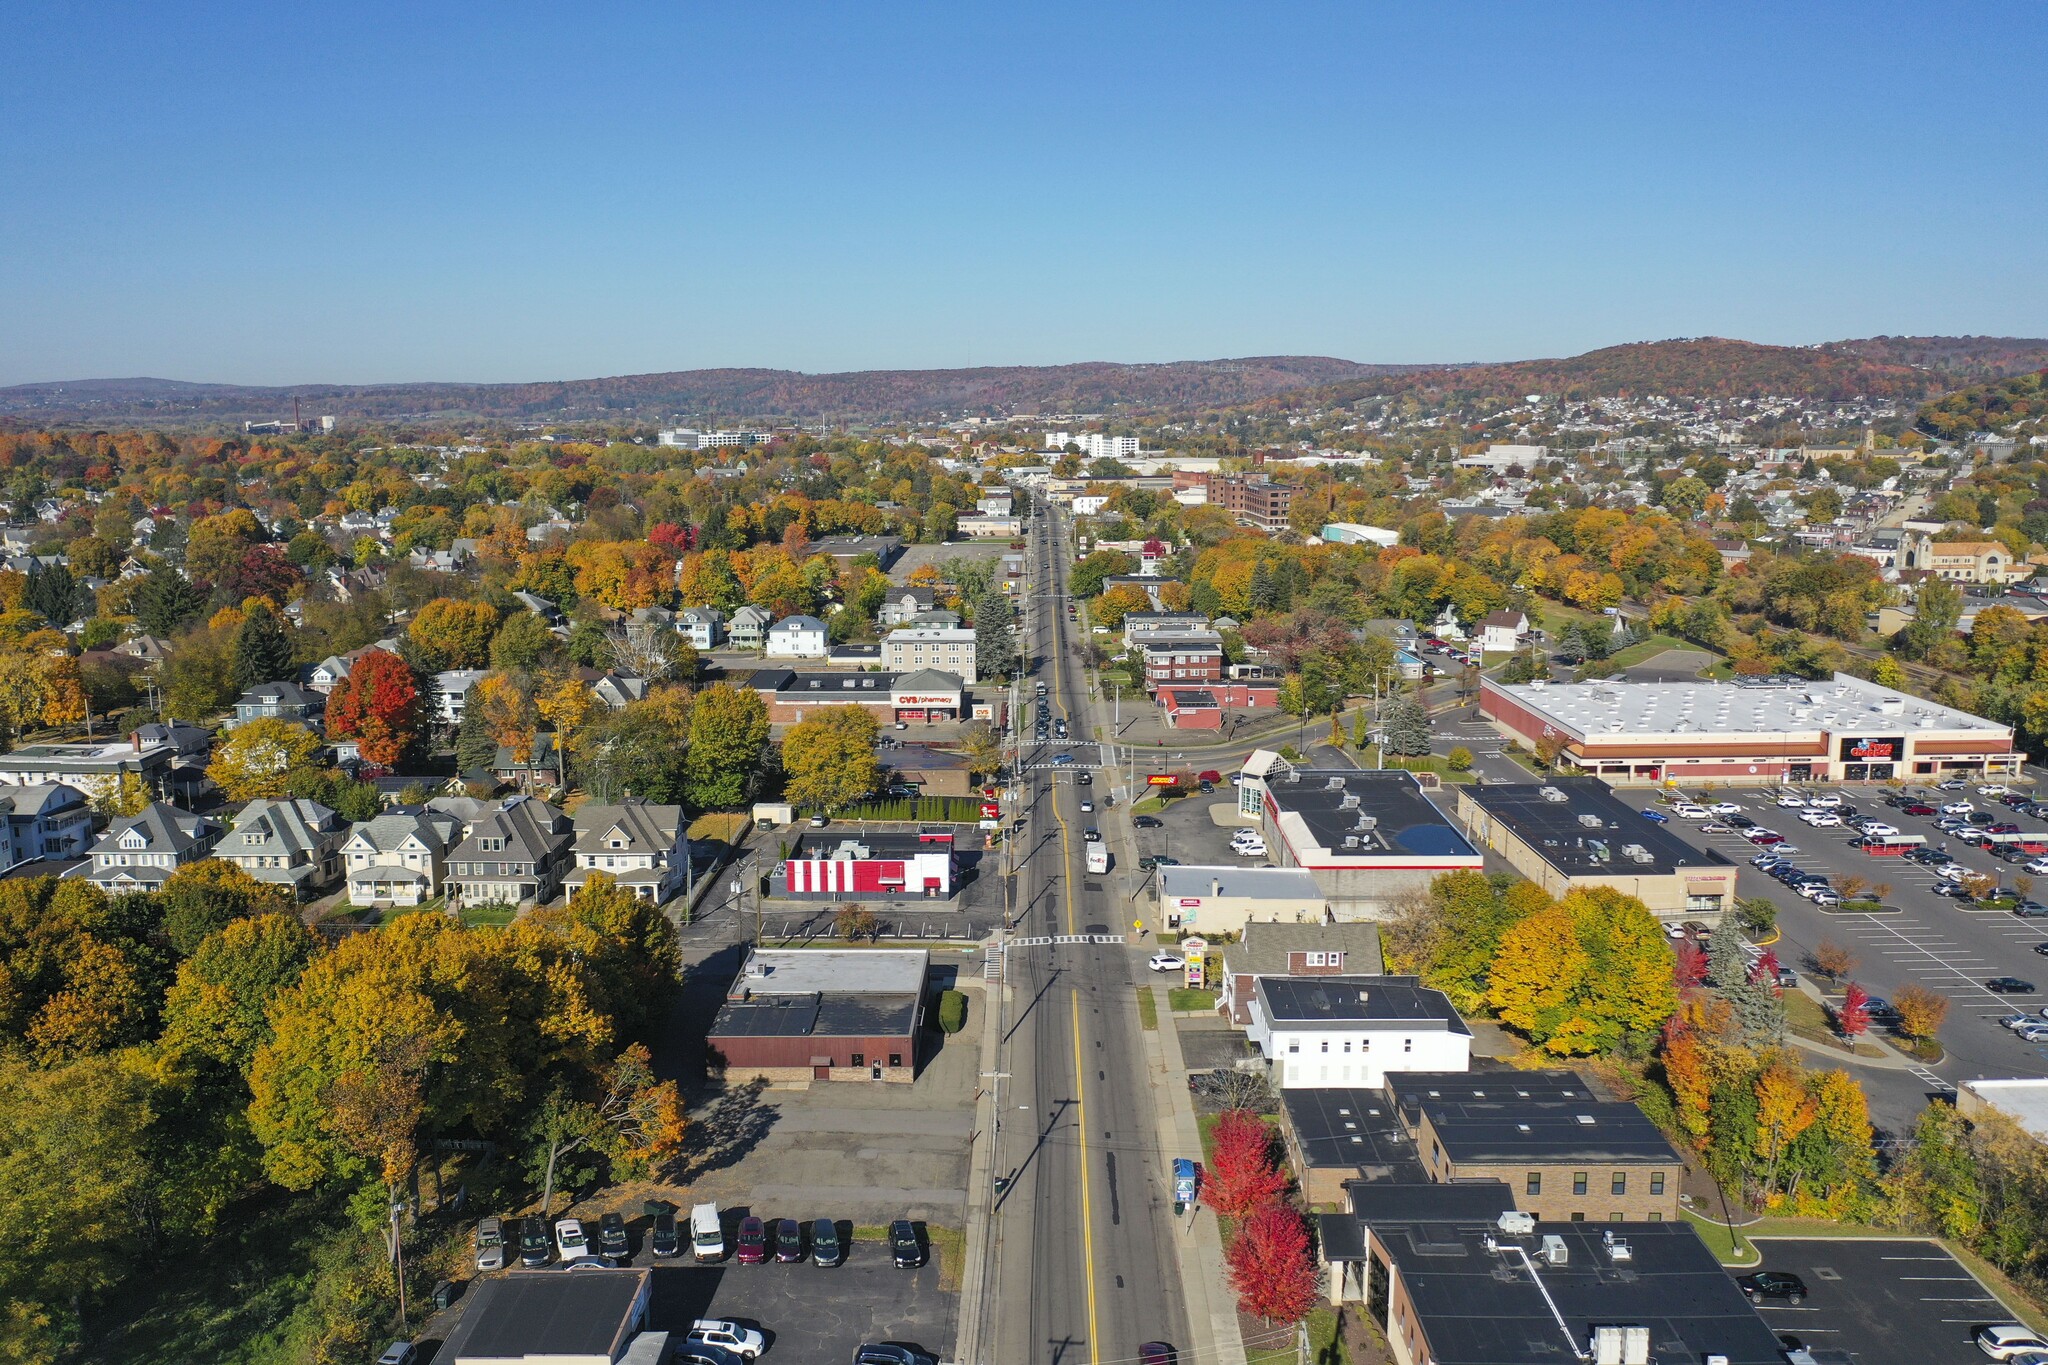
[{"x": 707, "y": 1238}]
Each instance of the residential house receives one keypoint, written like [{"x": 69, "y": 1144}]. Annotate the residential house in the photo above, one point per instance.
[
  {"x": 400, "y": 858},
  {"x": 295, "y": 844},
  {"x": 645, "y": 624},
  {"x": 913, "y": 647},
  {"x": 437, "y": 561},
  {"x": 641, "y": 847},
  {"x": 748, "y": 628},
  {"x": 1181, "y": 658},
  {"x": 190, "y": 745},
  {"x": 90, "y": 766},
  {"x": 1301, "y": 950},
  {"x": 328, "y": 674},
  {"x": 619, "y": 690},
  {"x": 515, "y": 855},
  {"x": 451, "y": 692},
  {"x": 140, "y": 852},
  {"x": 904, "y": 605},
  {"x": 703, "y": 627},
  {"x": 541, "y": 768},
  {"x": 46, "y": 820},
  {"x": 541, "y": 606},
  {"x": 150, "y": 649},
  {"x": 1502, "y": 632},
  {"x": 278, "y": 701},
  {"x": 796, "y": 637}
]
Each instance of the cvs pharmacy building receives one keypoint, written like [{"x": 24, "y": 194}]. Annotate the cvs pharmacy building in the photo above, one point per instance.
[{"x": 1846, "y": 729}]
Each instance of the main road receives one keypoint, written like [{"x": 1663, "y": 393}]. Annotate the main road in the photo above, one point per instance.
[{"x": 1084, "y": 1262}]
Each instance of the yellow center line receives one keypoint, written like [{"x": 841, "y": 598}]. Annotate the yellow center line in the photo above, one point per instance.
[{"x": 1080, "y": 1086}]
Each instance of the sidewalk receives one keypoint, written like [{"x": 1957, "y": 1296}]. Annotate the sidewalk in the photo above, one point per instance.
[
  {"x": 980, "y": 1187},
  {"x": 1893, "y": 1059},
  {"x": 1212, "y": 1314}
]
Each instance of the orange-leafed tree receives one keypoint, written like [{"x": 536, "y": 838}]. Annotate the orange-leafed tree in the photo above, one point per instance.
[
  {"x": 509, "y": 715},
  {"x": 1921, "y": 1011},
  {"x": 378, "y": 706},
  {"x": 1784, "y": 1110}
]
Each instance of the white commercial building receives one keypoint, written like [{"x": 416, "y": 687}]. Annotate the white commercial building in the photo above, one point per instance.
[{"x": 1318, "y": 1031}]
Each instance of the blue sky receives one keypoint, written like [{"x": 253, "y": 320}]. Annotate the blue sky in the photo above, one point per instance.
[{"x": 363, "y": 192}]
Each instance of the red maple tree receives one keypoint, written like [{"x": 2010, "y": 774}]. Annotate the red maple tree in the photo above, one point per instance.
[
  {"x": 1270, "y": 1266},
  {"x": 1852, "y": 1016},
  {"x": 1764, "y": 972},
  {"x": 1243, "y": 1175},
  {"x": 378, "y": 706},
  {"x": 1690, "y": 966},
  {"x": 677, "y": 540}
]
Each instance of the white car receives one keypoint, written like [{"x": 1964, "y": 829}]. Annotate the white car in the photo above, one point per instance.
[
  {"x": 1957, "y": 808},
  {"x": 1723, "y": 807},
  {"x": 1087, "y": 807},
  {"x": 570, "y": 1238},
  {"x": 1821, "y": 819},
  {"x": 1257, "y": 850},
  {"x": 1792, "y": 803},
  {"x": 732, "y": 1336},
  {"x": 2038, "y": 866},
  {"x": 2003, "y": 1341},
  {"x": 1825, "y": 799},
  {"x": 1995, "y": 789},
  {"x": 1879, "y": 828},
  {"x": 1685, "y": 810},
  {"x": 1167, "y": 962}
]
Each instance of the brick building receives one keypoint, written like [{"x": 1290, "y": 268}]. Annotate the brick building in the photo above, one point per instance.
[
  {"x": 1202, "y": 708},
  {"x": 821, "y": 1014}
]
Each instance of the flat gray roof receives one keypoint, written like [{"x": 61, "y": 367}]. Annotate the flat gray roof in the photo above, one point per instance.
[
  {"x": 1618, "y": 709},
  {"x": 1557, "y": 828},
  {"x": 1260, "y": 883},
  {"x": 837, "y": 971}
]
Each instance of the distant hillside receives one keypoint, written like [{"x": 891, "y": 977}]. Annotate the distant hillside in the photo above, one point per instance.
[
  {"x": 1964, "y": 359},
  {"x": 1987, "y": 407},
  {"x": 1706, "y": 367},
  {"x": 732, "y": 395}
]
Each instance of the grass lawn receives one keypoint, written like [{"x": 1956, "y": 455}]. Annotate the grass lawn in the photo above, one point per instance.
[
  {"x": 479, "y": 915},
  {"x": 722, "y": 825},
  {"x": 1650, "y": 648},
  {"x": 1323, "y": 1346},
  {"x": 1188, "y": 998},
  {"x": 1729, "y": 1246},
  {"x": 1148, "y": 1009}
]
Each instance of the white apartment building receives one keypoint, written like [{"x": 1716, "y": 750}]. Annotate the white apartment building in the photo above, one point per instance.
[
  {"x": 1094, "y": 445},
  {"x": 688, "y": 438},
  {"x": 950, "y": 648}
]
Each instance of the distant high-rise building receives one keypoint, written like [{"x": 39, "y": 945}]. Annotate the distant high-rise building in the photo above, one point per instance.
[{"x": 688, "y": 438}]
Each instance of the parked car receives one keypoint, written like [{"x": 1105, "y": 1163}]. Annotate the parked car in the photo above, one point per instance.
[
  {"x": 789, "y": 1241},
  {"x": 753, "y": 1241},
  {"x": 399, "y": 1353},
  {"x": 891, "y": 1353},
  {"x": 490, "y": 1244},
  {"x": 1791, "y": 803},
  {"x": 612, "y": 1242},
  {"x": 738, "y": 1338},
  {"x": 1957, "y": 808},
  {"x": 2009, "y": 985},
  {"x": 1772, "y": 1284},
  {"x": 1917, "y": 808},
  {"x": 1146, "y": 822},
  {"x": 2034, "y": 1031},
  {"x": 570, "y": 1238},
  {"x": 2030, "y": 910},
  {"x": 534, "y": 1247},
  {"x": 1166, "y": 962},
  {"x": 825, "y": 1245},
  {"x": 663, "y": 1237},
  {"x": 1687, "y": 811},
  {"x": 904, "y": 1247},
  {"x": 1741, "y": 822},
  {"x": 2003, "y": 1341},
  {"x": 1656, "y": 817},
  {"x": 1722, "y": 807}
]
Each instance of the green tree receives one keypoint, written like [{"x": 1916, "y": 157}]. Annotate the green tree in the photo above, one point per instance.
[
  {"x": 1404, "y": 726},
  {"x": 203, "y": 898},
  {"x": 524, "y": 642},
  {"x": 728, "y": 734},
  {"x": 1085, "y": 579},
  {"x": 51, "y": 593},
  {"x": 263, "y": 649},
  {"x": 218, "y": 1005},
  {"x": 476, "y": 750},
  {"x": 263, "y": 757},
  {"x": 995, "y": 635},
  {"x": 166, "y": 601}
]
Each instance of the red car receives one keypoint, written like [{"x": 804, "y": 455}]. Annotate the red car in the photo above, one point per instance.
[
  {"x": 1766, "y": 840},
  {"x": 1918, "y": 808},
  {"x": 753, "y": 1242}
]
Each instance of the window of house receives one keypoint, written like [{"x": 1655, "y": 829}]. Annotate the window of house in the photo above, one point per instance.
[
  {"x": 1656, "y": 1182},
  {"x": 1656, "y": 1217},
  {"x": 895, "y": 1059},
  {"x": 1619, "y": 1185},
  {"x": 860, "y": 1059},
  {"x": 1578, "y": 1215},
  {"x": 1578, "y": 1182},
  {"x": 1347, "y": 1045},
  {"x": 1407, "y": 1045},
  {"x": 1294, "y": 1044},
  {"x": 1326, "y": 1045},
  {"x": 1534, "y": 1184}
]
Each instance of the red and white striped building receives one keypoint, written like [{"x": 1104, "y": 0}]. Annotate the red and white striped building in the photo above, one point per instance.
[{"x": 878, "y": 865}]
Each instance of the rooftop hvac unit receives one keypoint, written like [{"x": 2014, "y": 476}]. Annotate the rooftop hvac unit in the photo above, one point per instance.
[
  {"x": 1350, "y": 801},
  {"x": 1517, "y": 1224},
  {"x": 1351, "y": 841},
  {"x": 1622, "y": 1346},
  {"x": 1591, "y": 821},
  {"x": 1554, "y": 1251},
  {"x": 1335, "y": 784},
  {"x": 1618, "y": 1248},
  {"x": 1634, "y": 851},
  {"x": 1552, "y": 794},
  {"x": 1368, "y": 822}
]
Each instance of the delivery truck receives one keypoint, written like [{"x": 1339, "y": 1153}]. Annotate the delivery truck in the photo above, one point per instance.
[{"x": 1098, "y": 857}]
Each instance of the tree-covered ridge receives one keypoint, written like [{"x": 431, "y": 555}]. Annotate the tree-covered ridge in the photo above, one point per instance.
[
  {"x": 1966, "y": 359},
  {"x": 1986, "y": 407}
]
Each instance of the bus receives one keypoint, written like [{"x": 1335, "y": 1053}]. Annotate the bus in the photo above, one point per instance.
[{"x": 1889, "y": 845}]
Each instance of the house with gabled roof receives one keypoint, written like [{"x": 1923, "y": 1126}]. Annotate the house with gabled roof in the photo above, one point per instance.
[
  {"x": 619, "y": 690},
  {"x": 294, "y": 844},
  {"x": 640, "y": 846},
  {"x": 139, "y": 852},
  {"x": 515, "y": 854},
  {"x": 748, "y": 628},
  {"x": 400, "y": 858}
]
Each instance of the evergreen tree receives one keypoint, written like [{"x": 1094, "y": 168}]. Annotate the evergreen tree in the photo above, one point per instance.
[
  {"x": 165, "y": 600},
  {"x": 1571, "y": 643},
  {"x": 263, "y": 652},
  {"x": 1264, "y": 595},
  {"x": 1759, "y": 1011},
  {"x": 475, "y": 748},
  {"x": 995, "y": 635},
  {"x": 51, "y": 593},
  {"x": 1404, "y": 726}
]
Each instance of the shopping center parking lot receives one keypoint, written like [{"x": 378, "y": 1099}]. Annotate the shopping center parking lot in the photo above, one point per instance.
[
  {"x": 1886, "y": 1301},
  {"x": 1929, "y": 941},
  {"x": 810, "y": 1313}
]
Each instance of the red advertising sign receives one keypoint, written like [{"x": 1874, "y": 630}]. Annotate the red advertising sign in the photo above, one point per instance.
[
  {"x": 1161, "y": 780},
  {"x": 991, "y": 811}
]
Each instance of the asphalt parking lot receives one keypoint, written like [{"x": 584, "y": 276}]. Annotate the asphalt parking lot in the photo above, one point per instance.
[
  {"x": 809, "y": 1313},
  {"x": 1929, "y": 941},
  {"x": 1887, "y": 1302},
  {"x": 1189, "y": 832}
]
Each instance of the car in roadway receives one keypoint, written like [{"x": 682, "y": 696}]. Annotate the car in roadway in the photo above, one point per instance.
[
  {"x": 753, "y": 1241},
  {"x": 826, "y": 1248},
  {"x": 399, "y": 1353},
  {"x": 664, "y": 1239},
  {"x": 1147, "y": 822},
  {"x": 1156, "y": 1353},
  {"x": 1167, "y": 962},
  {"x": 724, "y": 1333},
  {"x": 1092, "y": 835},
  {"x": 1957, "y": 808},
  {"x": 1765, "y": 838},
  {"x": 1790, "y": 802},
  {"x": 1917, "y": 808},
  {"x": 1722, "y": 807},
  {"x": 2005, "y": 1340},
  {"x": 490, "y": 1244},
  {"x": 904, "y": 1248},
  {"x": 789, "y": 1241},
  {"x": 1087, "y": 808},
  {"x": 1772, "y": 1284},
  {"x": 570, "y": 1238},
  {"x": 1685, "y": 810},
  {"x": 1953, "y": 784},
  {"x": 2009, "y": 985},
  {"x": 1994, "y": 789},
  {"x": 1062, "y": 760}
]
